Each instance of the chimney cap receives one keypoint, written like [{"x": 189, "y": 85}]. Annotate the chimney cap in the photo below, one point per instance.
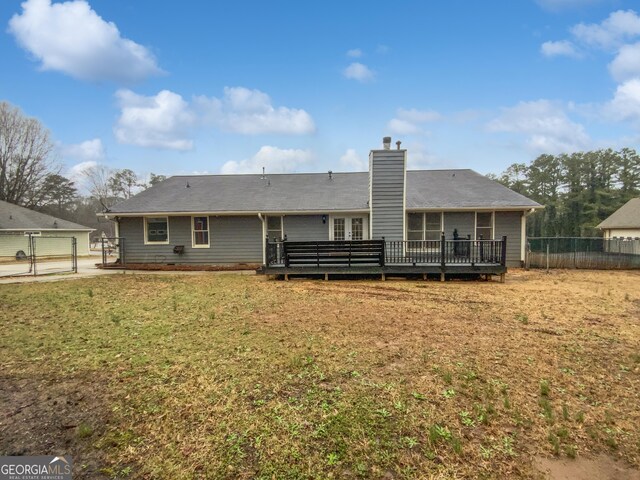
[{"x": 386, "y": 143}]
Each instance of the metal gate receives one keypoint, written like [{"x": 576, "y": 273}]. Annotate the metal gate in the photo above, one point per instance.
[{"x": 32, "y": 253}]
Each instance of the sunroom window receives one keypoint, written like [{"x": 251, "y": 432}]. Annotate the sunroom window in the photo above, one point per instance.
[
  {"x": 274, "y": 228},
  {"x": 424, "y": 226},
  {"x": 432, "y": 226},
  {"x": 157, "y": 229},
  {"x": 484, "y": 225},
  {"x": 415, "y": 226}
]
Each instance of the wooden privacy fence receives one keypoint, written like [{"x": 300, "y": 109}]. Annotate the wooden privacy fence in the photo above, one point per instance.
[{"x": 586, "y": 253}]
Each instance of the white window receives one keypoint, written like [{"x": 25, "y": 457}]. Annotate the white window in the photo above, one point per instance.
[
  {"x": 424, "y": 226},
  {"x": 415, "y": 226},
  {"x": 339, "y": 228},
  {"x": 156, "y": 230},
  {"x": 200, "y": 229},
  {"x": 348, "y": 228},
  {"x": 274, "y": 228},
  {"x": 484, "y": 225},
  {"x": 357, "y": 228}
]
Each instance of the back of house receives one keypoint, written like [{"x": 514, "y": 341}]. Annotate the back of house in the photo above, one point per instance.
[{"x": 228, "y": 219}]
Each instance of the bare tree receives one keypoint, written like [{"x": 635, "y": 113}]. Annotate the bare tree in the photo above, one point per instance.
[
  {"x": 124, "y": 183},
  {"x": 100, "y": 185},
  {"x": 26, "y": 156}
]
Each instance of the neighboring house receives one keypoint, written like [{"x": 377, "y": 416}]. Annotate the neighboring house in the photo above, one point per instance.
[
  {"x": 226, "y": 219},
  {"x": 16, "y": 223},
  {"x": 624, "y": 222}
]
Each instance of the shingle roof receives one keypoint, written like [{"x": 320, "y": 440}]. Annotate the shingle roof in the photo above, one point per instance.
[
  {"x": 316, "y": 192},
  {"x": 627, "y": 216},
  {"x": 14, "y": 217}
]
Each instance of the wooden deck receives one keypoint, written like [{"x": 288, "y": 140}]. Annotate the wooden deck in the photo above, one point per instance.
[{"x": 398, "y": 258}]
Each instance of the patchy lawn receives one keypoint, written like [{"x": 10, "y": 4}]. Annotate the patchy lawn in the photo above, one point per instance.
[{"x": 227, "y": 376}]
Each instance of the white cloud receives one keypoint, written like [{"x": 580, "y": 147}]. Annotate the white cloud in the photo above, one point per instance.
[
  {"x": 419, "y": 157},
  {"x": 273, "y": 159},
  {"x": 545, "y": 124},
  {"x": 72, "y": 38},
  {"x": 560, "y": 48},
  {"x": 77, "y": 174},
  {"x": 354, "y": 53},
  {"x": 250, "y": 112},
  {"x": 626, "y": 64},
  {"x": 403, "y": 127},
  {"x": 612, "y": 32},
  {"x": 616, "y": 35},
  {"x": 409, "y": 122},
  {"x": 166, "y": 119},
  {"x": 351, "y": 161},
  {"x": 418, "y": 116},
  {"x": 79, "y": 169},
  {"x": 358, "y": 71},
  {"x": 625, "y": 104},
  {"x": 159, "y": 121},
  {"x": 87, "y": 151}
]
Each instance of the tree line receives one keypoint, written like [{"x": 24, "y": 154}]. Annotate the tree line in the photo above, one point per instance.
[
  {"x": 578, "y": 190},
  {"x": 30, "y": 175}
]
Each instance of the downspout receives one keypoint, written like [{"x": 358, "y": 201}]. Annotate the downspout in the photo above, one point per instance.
[{"x": 264, "y": 241}]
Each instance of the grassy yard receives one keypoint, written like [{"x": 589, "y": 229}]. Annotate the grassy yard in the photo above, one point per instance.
[{"x": 225, "y": 376}]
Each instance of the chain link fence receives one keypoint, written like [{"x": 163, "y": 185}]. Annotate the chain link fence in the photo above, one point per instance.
[
  {"x": 587, "y": 253},
  {"x": 37, "y": 254}
]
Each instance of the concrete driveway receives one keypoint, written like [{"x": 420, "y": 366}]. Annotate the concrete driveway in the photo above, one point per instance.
[
  {"x": 61, "y": 270},
  {"x": 47, "y": 270}
]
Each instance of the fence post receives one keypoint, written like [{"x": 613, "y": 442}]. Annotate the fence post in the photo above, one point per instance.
[
  {"x": 619, "y": 253},
  {"x": 547, "y": 257},
  {"x": 74, "y": 253},
  {"x": 32, "y": 240},
  {"x": 383, "y": 260},
  {"x": 575, "y": 253},
  {"x": 503, "y": 255}
]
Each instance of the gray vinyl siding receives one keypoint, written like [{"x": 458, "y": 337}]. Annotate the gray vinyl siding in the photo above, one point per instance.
[
  {"x": 387, "y": 186},
  {"x": 464, "y": 222},
  {"x": 232, "y": 240},
  {"x": 303, "y": 228},
  {"x": 508, "y": 223}
]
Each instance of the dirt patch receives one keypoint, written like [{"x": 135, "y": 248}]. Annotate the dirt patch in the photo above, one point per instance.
[
  {"x": 602, "y": 467},
  {"x": 54, "y": 416}
]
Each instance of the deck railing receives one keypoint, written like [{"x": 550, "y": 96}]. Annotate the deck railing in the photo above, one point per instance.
[{"x": 414, "y": 252}]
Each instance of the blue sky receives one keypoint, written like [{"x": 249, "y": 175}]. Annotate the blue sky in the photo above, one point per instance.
[{"x": 213, "y": 87}]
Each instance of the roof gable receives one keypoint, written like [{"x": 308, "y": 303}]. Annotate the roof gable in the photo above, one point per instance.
[
  {"x": 15, "y": 217},
  {"x": 627, "y": 216}
]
